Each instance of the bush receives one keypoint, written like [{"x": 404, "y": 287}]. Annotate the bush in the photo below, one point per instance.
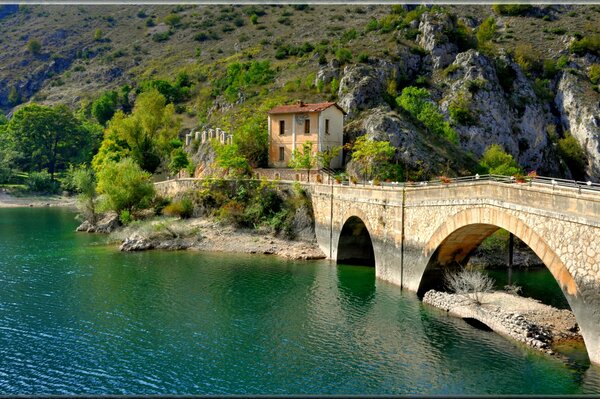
[
  {"x": 242, "y": 75},
  {"x": 575, "y": 157},
  {"x": 496, "y": 161},
  {"x": 34, "y": 46},
  {"x": 125, "y": 186},
  {"x": 41, "y": 182},
  {"x": 161, "y": 37},
  {"x": 511, "y": 9},
  {"x": 460, "y": 110},
  {"x": 527, "y": 58},
  {"x": 173, "y": 20},
  {"x": 594, "y": 73},
  {"x": 541, "y": 87},
  {"x": 486, "y": 31},
  {"x": 343, "y": 55},
  {"x": 585, "y": 45},
  {"x": 470, "y": 283},
  {"x": 125, "y": 217},
  {"x": 183, "y": 209}
]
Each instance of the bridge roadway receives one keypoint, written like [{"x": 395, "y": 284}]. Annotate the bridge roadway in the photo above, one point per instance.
[{"x": 411, "y": 232}]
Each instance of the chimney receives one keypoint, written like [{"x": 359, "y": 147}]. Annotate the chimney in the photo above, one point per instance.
[{"x": 301, "y": 103}]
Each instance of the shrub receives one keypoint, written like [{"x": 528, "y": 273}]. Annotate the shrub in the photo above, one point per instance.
[
  {"x": 590, "y": 44},
  {"x": 498, "y": 162},
  {"x": 487, "y": 30},
  {"x": 161, "y": 37},
  {"x": 242, "y": 75},
  {"x": 173, "y": 20},
  {"x": 471, "y": 284},
  {"x": 460, "y": 110},
  {"x": 594, "y": 73},
  {"x": 511, "y": 9},
  {"x": 541, "y": 87},
  {"x": 571, "y": 151},
  {"x": 372, "y": 25},
  {"x": 41, "y": 182},
  {"x": 527, "y": 57},
  {"x": 34, "y": 46},
  {"x": 254, "y": 19},
  {"x": 183, "y": 209},
  {"x": 125, "y": 186},
  {"x": 343, "y": 55}
]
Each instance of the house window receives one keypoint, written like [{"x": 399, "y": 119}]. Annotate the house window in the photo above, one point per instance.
[
  {"x": 326, "y": 126},
  {"x": 281, "y": 127},
  {"x": 307, "y": 126},
  {"x": 281, "y": 153}
]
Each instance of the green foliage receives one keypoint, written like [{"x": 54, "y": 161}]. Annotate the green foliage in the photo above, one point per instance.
[
  {"x": 304, "y": 159},
  {"x": 287, "y": 50},
  {"x": 575, "y": 157},
  {"x": 183, "y": 208},
  {"x": 230, "y": 160},
  {"x": 161, "y": 36},
  {"x": 14, "y": 97},
  {"x": 371, "y": 155},
  {"x": 486, "y": 31},
  {"x": 594, "y": 73},
  {"x": 460, "y": 110},
  {"x": 498, "y": 162},
  {"x": 343, "y": 55},
  {"x": 562, "y": 61},
  {"x": 254, "y": 19},
  {"x": 325, "y": 157},
  {"x": 98, "y": 35},
  {"x": 173, "y": 92},
  {"x": 125, "y": 217},
  {"x": 462, "y": 36},
  {"x": 84, "y": 181},
  {"x": 417, "y": 102},
  {"x": 34, "y": 46},
  {"x": 179, "y": 160},
  {"x": 105, "y": 106},
  {"x": 240, "y": 76},
  {"x": 144, "y": 135},
  {"x": 506, "y": 74},
  {"x": 41, "y": 182},
  {"x": 590, "y": 44},
  {"x": 125, "y": 186},
  {"x": 549, "y": 69},
  {"x": 527, "y": 57},
  {"x": 250, "y": 133},
  {"x": 49, "y": 138},
  {"x": 511, "y": 9},
  {"x": 541, "y": 87},
  {"x": 173, "y": 20},
  {"x": 334, "y": 86}
]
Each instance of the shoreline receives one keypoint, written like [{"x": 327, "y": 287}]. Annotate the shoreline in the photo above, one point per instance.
[{"x": 35, "y": 201}]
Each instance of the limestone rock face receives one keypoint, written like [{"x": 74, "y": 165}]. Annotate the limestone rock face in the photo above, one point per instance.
[
  {"x": 511, "y": 116},
  {"x": 579, "y": 106},
  {"x": 433, "y": 39},
  {"x": 106, "y": 225},
  {"x": 327, "y": 73},
  {"x": 362, "y": 87}
]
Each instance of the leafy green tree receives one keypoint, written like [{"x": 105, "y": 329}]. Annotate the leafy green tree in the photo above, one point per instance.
[
  {"x": 229, "y": 159},
  {"x": 124, "y": 186},
  {"x": 594, "y": 73},
  {"x": 325, "y": 157},
  {"x": 179, "y": 160},
  {"x": 371, "y": 155},
  {"x": 105, "y": 106},
  {"x": 304, "y": 159},
  {"x": 49, "y": 138},
  {"x": 84, "y": 181},
  {"x": 496, "y": 161},
  {"x": 98, "y": 35},
  {"x": 144, "y": 135}
]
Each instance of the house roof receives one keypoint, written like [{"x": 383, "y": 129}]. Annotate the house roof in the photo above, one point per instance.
[{"x": 302, "y": 107}]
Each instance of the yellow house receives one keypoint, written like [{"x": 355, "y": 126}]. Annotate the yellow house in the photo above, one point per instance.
[{"x": 290, "y": 126}]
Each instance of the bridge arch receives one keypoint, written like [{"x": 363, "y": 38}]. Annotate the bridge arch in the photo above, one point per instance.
[
  {"x": 460, "y": 234},
  {"x": 354, "y": 243}
]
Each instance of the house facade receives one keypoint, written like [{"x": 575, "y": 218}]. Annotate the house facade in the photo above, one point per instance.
[{"x": 290, "y": 126}]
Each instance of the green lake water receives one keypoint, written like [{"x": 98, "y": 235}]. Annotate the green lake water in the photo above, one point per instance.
[{"x": 79, "y": 317}]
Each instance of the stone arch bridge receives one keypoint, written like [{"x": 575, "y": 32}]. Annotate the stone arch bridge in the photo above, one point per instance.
[{"x": 408, "y": 232}]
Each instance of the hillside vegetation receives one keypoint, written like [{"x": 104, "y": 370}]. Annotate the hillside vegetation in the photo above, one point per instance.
[{"x": 442, "y": 84}]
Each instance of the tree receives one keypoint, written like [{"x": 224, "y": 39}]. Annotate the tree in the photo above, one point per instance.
[
  {"x": 304, "y": 159},
  {"x": 325, "y": 157},
  {"x": 14, "y": 97},
  {"x": 486, "y": 31},
  {"x": 125, "y": 186},
  {"x": 497, "y": 162},
  {"x": 34, "y": 46},
  {"x": 179, "y": 160},
  {"x": 230, "y": 159},
  {"x": 105, "y": 106},
  {"x": 48, "y": 138},
  {"x": 371, "y": 155},
  {"x": 85, "y": 184},
  {"x": 470, "y": 283},
  {"x": 144, "y": 135}
]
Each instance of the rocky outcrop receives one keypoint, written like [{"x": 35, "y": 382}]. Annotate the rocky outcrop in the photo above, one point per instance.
[
  {"x": 362, "y": 86},
  {"x": 432, "y": 37},
  {"x": 327, "y": 73},
  {"x": 106, "y": 225},
  {"x": 505, "y": 112},
  {"x": 579, "y": 106},
  {"x": 535, "y": 327}
]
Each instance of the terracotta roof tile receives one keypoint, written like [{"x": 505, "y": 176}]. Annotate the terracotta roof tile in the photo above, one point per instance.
[{"x": 296, "y": 108}]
